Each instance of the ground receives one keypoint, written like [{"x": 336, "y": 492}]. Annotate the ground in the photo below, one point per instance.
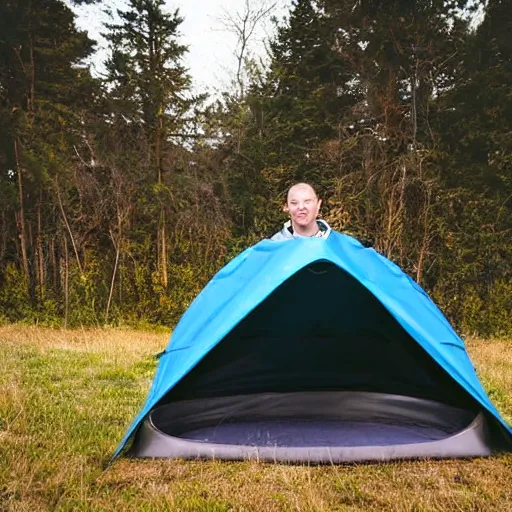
[{"x": 67, "y": 397}]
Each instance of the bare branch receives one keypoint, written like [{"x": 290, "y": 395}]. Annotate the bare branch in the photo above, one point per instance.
[{"x": 243, "y": 25}]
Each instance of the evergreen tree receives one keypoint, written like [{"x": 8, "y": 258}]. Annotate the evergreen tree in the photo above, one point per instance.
[
  {"x": 474, "y": 123},
  {"x": 306, "y": 89},
  {"x": 149, "y": 85},
  {"x": 147, "y": 74},
  {"x": 402, "y": 56},
  {"x": 291, "y": 111},
  {"x": 154, "y": 121},
  {"x": 43, "y": 87}
]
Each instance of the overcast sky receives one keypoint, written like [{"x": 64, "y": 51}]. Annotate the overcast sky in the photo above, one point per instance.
[{"x": 210, "y": 58}]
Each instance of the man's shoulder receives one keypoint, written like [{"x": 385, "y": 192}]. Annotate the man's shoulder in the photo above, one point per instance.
[{"x": 285, "y": 233}]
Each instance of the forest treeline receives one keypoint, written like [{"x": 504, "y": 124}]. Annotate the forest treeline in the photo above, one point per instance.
[{"x": 122, "y": 195}]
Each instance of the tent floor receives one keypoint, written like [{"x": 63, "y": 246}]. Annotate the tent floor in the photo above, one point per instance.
[
  {"x": 322, "y": 427},
  {"x": 314, "y": 433}
]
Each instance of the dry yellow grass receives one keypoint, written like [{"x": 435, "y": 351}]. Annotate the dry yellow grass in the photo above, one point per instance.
[
  {"x": 493, "y": 362},
  {"x": 106, "y": 341},
  {"x": 66, "y": 398}
]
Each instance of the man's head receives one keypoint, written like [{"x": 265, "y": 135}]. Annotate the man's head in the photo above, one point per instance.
[{"x": 303, "y": 205}]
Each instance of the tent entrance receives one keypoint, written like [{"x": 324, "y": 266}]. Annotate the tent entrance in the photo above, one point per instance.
[
  {"x": 321, "y": 330},
  {"x": 329, "y": 426}
]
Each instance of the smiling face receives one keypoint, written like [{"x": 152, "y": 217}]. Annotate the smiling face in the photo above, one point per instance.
[{"x": 303, "y": 206}]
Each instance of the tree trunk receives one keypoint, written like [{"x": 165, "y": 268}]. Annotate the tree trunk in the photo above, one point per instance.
[
  {"x": 68, "y": 227},
  {"x": 117, "y": 246},
  {"x": 55, "y": 263},
  {"x": 162, "y": 228},
  {"x": 66, "y": 281},
  {"x": 425, "y": 240},
  {"x": 39, "y": 250},
  {"x": 21, "y": 224},
  {"x": 3, "y": 234},
  {"x": 163, "y": 255},
  {"x": 32, "y": 93},
  {"x": 112, "y": 282}
]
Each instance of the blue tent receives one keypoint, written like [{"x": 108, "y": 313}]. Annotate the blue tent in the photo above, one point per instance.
[{"x": 310, "y": 349}]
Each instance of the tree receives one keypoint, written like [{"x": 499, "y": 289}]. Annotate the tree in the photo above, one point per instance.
[
  {"x": 402, "y": 56},
  {"x": 42, "y": 86},
  {"x": 289, "y": 111},
  {"x": 149, "y": 87},
  {"x": 474, "y": 122},
  {"x": 243, "y": 24}
]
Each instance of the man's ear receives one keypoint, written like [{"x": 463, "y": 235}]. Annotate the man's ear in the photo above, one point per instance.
[
  {"x": 319, "y": 204},
  {"x": 285, "y": 208}
]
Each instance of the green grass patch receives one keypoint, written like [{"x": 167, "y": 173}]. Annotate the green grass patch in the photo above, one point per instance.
[{"x": 67, "y": 398}]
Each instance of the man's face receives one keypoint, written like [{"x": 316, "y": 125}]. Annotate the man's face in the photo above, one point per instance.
[{"x": 303, "y": 206}]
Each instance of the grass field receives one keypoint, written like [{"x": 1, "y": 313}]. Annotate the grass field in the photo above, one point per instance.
[{"x": 67, "y": 397}]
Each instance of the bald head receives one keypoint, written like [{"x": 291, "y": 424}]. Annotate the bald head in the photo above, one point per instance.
[{"x": 304, "y": 186}]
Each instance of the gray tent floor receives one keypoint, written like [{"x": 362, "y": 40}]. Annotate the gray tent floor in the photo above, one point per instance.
[
  {"x": 322, "y": 427},
  {"x": 314, "y": 433}
]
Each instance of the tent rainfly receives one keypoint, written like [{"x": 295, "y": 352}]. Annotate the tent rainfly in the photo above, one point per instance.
[{"x": 315, "y": 350}]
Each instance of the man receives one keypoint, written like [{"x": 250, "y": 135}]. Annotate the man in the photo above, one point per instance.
[{"x": 303, "y": 206}]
